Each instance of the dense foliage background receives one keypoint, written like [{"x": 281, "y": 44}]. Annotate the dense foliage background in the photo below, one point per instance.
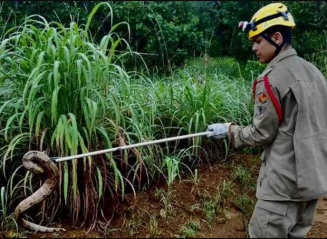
[{"x": 171, "y": 31}]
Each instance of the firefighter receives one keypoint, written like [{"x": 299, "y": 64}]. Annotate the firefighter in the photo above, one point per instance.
[{"x": 290, "y": 123}]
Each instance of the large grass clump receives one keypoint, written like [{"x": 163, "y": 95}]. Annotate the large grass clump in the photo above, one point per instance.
[{"x": 64, "y": 93}]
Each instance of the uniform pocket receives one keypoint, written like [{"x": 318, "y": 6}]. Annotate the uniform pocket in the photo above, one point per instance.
[
  {"x": 278, "y": 207},
  {"x": 268, "y": 219},
  {"x": 259, "y": 223}
]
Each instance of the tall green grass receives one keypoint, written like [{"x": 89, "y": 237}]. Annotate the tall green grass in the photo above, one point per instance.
[
  {"x": 63, "y": 93},
  {"x": 319, "y": 56}
]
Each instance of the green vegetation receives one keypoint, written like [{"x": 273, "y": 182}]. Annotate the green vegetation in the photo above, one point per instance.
[
  {"x": 169, "y": 32},
  {"x": 75, "y": 80}
]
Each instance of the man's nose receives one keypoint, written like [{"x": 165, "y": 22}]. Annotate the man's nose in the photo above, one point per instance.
[{"x": 254, "y": 47}]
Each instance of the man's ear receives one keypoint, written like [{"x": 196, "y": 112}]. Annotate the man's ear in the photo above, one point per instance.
[{"x": 278, "y": 38}]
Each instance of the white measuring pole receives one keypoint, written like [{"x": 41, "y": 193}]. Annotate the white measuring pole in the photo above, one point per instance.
[{"x": 130, "y": 146}]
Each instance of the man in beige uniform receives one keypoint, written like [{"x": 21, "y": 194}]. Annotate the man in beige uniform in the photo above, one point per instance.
[{"x": 290, "y": 122}]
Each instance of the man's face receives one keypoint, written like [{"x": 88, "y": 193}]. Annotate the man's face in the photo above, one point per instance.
[{"x": 263, "y": 49}]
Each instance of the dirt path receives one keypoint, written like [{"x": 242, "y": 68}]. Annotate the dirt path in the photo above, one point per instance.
[{"x": 319, "y": 229}]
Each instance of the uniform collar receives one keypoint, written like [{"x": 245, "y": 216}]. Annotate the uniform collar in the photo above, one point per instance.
[{"x": 281, "y": 56}]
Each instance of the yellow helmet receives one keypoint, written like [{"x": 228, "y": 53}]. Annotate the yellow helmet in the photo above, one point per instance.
[{"x": 271, "y": 15}]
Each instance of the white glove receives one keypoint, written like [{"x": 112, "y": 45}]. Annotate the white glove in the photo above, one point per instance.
[{"x": 218, "y": 131}]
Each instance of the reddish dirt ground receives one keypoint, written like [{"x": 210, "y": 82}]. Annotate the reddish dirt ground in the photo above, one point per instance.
[{"x": 185, "y": 205}]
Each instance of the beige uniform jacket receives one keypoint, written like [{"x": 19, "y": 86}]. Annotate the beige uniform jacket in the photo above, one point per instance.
[{"x": 290, "y": 121}]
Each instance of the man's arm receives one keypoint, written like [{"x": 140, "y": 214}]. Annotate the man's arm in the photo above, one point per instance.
[{"x": 265, "y": 123}]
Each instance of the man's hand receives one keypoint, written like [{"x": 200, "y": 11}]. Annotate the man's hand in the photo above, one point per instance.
[{"x": 218, "y": 131}]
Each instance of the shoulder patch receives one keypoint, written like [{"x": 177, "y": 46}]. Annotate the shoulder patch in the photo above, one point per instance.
[{"x": 262, "y": 97}]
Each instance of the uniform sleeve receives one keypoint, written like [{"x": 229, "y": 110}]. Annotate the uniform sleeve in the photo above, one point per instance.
[{"x": 266, "y": 119}]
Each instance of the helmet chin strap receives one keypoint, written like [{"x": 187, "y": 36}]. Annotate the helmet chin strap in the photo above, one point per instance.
[{"x": 278, "y": 47}]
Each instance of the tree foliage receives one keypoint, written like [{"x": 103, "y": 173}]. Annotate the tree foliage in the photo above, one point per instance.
[{"x": 171, "y": 31}]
